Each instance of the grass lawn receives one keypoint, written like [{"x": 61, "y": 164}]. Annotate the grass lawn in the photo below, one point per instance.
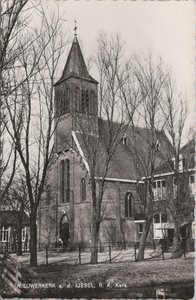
[
  {"x": 128, "y": 273},
  {"x": 88, "y": 281},
  {"x": 116, "y": 280}
]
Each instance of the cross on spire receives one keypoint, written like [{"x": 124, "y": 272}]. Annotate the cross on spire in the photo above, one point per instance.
[{"x": 75, "y": 29}]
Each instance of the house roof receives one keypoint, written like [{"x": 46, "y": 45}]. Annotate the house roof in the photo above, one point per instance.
[
  {"x": 166, "y": 167},
  {"x": 75, "y": 65},
  {"x": 11, "y": 217},
  {"x": 123, "y": 164},
  {"x": 188, "y": 155},
  {"x": 188, "y": 147}
]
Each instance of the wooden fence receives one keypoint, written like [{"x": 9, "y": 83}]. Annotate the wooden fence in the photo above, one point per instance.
[
  {"x": 15, "y": 274},
  {"x": 12, "y": 273}
]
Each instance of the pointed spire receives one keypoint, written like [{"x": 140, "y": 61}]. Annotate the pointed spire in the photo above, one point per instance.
[{"x": 75, "y": 65}]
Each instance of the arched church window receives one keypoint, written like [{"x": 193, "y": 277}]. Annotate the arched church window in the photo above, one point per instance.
[
  {"x": 83, "y": 104},
  {"x": 62, "y": 107},
  {"x": 83, "y": 190},
  {"x": 58, "y": 107},
  {"x": 61, "y": 103},
  {"x": 128, "y": 205},
  {"x": 48, "y": 194},
  {"x": 67, "y": 180},
  {"x": 62, "y": 183},
  {"x": 57, "y": 102},
  {"x": 87, "y": 102},
  {"x": 78, "y": 100},
  {"x": 67, "y": 100},
  {"x": 91, "y": 104},
  {"x": 124, "y": 139}
]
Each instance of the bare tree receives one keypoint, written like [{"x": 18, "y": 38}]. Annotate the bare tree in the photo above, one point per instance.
[
  {"x": 31, "y": 117},
  {"x": 8, "y": 168},
  {"x": 149, "y": 79},
  {"x": 179, "y": 203},
  {"x": 99, "y": 149},
  {"x": 16, "y": 199},
  {"x": 12, "y": 22}
]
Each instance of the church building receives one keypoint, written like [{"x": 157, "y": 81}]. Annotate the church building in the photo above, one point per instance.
[{"x": 65, "y": 210}]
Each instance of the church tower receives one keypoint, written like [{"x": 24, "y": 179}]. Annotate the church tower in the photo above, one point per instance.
[{"x": 76, "y": 100}]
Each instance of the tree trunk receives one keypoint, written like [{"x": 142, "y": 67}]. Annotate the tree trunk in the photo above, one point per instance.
[
  {"x": 19, "y": 250},
  {"x": 124, "y": 241},
  {"x": 33, "y": 240},
  {"x": 176, "y": 250},
  {"x": 188, "y": 238},
  {"x": 143, "y": 239},
  {"x": 123, "y": 234},
  {"x": 94, "y": 244}
]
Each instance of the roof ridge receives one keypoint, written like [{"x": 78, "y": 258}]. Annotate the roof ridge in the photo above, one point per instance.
[{"x": 129, "y": 126}]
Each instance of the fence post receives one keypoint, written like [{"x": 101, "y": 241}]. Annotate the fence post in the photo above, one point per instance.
[
  {"x": 110, "y": 256},
  {"x": 162, "y": 250},
  {"x": 135, "y": 251},
  {"x": 79, "y": 248},
  {"x": 46, "y": 255}
]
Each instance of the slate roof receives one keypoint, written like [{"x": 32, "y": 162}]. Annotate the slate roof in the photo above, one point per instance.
[
  {"x": 166, "y": 167},
  {"x": 188, "y": 155},
  {"x": 188, "y": 147},
  {"x": 123, "y": 163},
  {"x": 10, "y": 217},
  {"x": 75, "y": 65}
]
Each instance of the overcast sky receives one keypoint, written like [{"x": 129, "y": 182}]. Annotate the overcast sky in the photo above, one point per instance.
[{"x": 164, "y": 27}]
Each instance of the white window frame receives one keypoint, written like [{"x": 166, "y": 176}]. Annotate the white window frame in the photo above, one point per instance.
[
  {"x": 24, "y": 232},
  {"x": 192, "y": 185},
  {"x": 139, "y": 224},
  {"x": 140, "y": 232},
  {"x": 158, "y": 232},
  {"x": 180, "y": 163},
  {"x": 159, "y": 193},
  {"x": 193, "y": 230},
  {"x": 5, "y": 234},
  {"x": 175, "y": 188}
]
